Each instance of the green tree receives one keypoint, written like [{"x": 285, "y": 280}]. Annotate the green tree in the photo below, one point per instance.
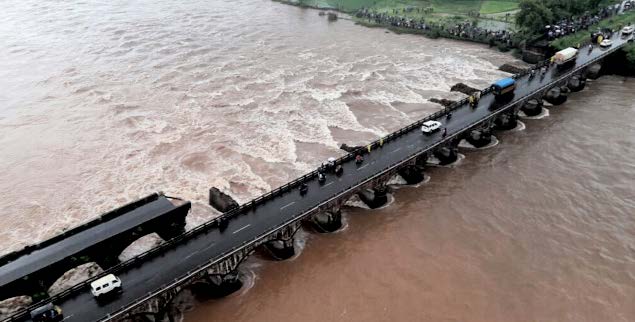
[{"x": 533, "y": 16}]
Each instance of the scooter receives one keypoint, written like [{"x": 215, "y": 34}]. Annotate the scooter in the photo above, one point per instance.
[
  {"x": 449, "y": 115},
  {"x": 321, "y": 178}
]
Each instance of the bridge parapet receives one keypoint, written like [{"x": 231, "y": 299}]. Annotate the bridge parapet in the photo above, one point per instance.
[
  {"x": 101, "y": 241},
  {"x": 262, "y": 237}
]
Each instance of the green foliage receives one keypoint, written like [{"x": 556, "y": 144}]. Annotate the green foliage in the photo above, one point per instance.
[
  {"x": 630, "y": 58},
  {"x": 630, "y": 54},
  {"x": 584, "y": 35},
  {"x": 534, "y": 15},
  {"x": 497, "y": 6}
]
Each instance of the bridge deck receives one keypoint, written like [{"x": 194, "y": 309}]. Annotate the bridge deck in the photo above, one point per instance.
[
  {"x": 158, "y": 272},
  {"x": 43, "y": 257}
]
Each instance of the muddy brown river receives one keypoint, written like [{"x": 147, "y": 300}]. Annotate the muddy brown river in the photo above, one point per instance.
[{"x": 103, "y": 102}]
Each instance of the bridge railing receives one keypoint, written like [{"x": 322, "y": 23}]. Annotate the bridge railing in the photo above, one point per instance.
[
  {"x": 312, "y": 174},
  {"x": 104, "y": 217},
  {"x": 23, "y": 313}
]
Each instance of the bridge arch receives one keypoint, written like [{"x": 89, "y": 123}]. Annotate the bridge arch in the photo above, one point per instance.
[
  {"x": 74, "y": 276},
  {"x": 140, "y": 245},
  {"x": 11, "y": 305}
]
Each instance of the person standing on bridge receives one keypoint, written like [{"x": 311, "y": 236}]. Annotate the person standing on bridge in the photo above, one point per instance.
[
  {"x": 359, "y": 159},
  {"x": 445, "y": 131}
]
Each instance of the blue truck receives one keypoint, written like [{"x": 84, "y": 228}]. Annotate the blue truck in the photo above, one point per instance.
[{"x": 503, "y": 89}]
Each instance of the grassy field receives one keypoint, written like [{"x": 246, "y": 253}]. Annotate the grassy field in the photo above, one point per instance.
[
  {"x": 446, "y": 7},
  {"x": 444, "y": 11},
  {"x": 498, "y": 6}
]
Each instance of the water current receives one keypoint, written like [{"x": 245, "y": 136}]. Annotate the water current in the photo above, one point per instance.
[{"x": 106, "y": 101}]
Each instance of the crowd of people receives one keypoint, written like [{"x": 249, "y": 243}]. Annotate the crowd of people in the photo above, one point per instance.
[
  {"x": 466, "y": 30},
  {"x": 573, "y": 24},
  {"x": 470, "y": 31}
]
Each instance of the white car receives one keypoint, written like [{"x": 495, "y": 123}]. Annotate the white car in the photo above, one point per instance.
[
  {"x": 430, "y": 126},
  {"x": 108, "y": 284},
  {"x": 627, "y": 30},
  {"x": 606, "y": 43}
]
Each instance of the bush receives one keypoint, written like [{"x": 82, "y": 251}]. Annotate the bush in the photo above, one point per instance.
[{"x": 502, "y": 47}]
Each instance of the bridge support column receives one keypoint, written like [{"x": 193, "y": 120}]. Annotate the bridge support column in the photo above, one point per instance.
[
  {"x": 222, "y": 278},
  {"x": 421, "y": 160},
  {"x": 280, "y": 245},
  {"x": 593, "y": 72},
  {"x": 446, "y": 154},
  {"x": 479, "y": 138},
  {"x": 556, "y": 96},
  {"x": 576, "y": 83},
  {"x": 532, "y": 107},
  {"x": 281, "y": 249},
  {"x": 217, "y": 285},
  {"x": 506, "y": 121},
  {"x": 374, "y": 198},
  {"x": 327, "y": 221},
  {"x": 413, "y": 174}
]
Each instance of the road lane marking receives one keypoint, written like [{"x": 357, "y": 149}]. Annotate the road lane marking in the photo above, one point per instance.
[
  {"x": 328, "y": 184},
  {"x": 362, "y": 167},
  {"x": 395, "y": 150},
  {"x": 239, "y": 229},
  {"x": 68, "y": 317},
  {"x": 286, "y": 205}
]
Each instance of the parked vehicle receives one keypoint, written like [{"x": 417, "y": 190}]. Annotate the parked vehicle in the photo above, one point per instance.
[
  {"x": 504, "y": 89},
  {"x": 566, "y": 57},
  {"x": 606, "y": 43},
  {"x": 628, "y": 30},
  {"x": 105, "y": 286},
  {"x": 46, "y": 313},
  {"x": 430, "y": 126}
]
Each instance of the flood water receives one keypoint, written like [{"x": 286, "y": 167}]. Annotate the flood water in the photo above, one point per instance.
[
  {"x": 103, "y": 102},
  {"x": 537, "y": 228}
]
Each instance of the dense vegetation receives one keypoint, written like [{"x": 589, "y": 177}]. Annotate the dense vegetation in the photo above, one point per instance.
[
  {"x": 534, "y": 15},
  {"x": 429, "y": 9}
]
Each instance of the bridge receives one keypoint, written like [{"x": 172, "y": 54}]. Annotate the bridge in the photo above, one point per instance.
[
  {"x": 207, "y": 257},
  {"x": 33, "y": 269}
]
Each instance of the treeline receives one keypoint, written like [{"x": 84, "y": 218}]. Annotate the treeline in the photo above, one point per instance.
[{"x": 534, "y": 15}]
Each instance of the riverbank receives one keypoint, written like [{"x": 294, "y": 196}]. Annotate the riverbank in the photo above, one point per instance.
[
  {"x": 430, "y": 10},
  {"x": 457, "y": 20}
]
